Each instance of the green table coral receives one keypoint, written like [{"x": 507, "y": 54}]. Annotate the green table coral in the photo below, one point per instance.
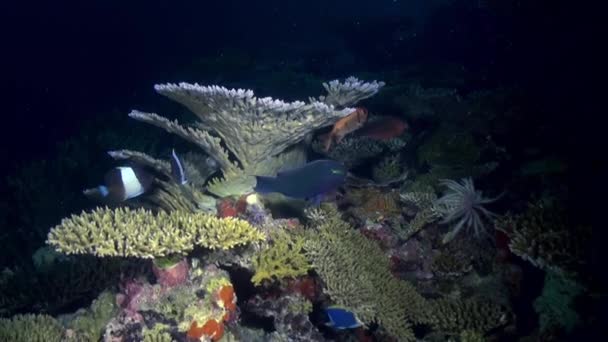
[{"x": 140, "y": 233}]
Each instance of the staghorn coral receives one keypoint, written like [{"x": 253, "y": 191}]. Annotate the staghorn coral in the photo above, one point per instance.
[
  {"x": 389, "y": 168},
  {"x": 363, "y": 285},
  {"x": 30, "y": 328},
  {"x": 454, "y": 315},
  {"x": 284, "y": 258},
  {"x": 542, "y": 236},
  {"x": 463, "y": 205},
  {"x": 422, "y": 202},
  {"x": 142, "y": 234},
  {"x": 254, "y": 130},
  {"x": 471, "y": 336}
]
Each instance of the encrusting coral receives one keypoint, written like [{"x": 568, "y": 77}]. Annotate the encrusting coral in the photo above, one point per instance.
[
  {"x": 142, "y": 234},
  {"x": 284, "y": 258},
  {"x": 253, "y": 130}
]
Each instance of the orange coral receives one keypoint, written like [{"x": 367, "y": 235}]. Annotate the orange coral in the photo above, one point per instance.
[
  {"x": 227, "y": 298},
  {"x": 211, "y": 329}
]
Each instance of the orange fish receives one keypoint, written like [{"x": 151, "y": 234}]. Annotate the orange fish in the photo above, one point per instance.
[
  {"x": 384, "y": 128},
  {"x": 346, "y": 125}
]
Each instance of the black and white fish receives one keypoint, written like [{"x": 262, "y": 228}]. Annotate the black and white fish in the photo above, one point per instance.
[{"x": 122, "y": 183}]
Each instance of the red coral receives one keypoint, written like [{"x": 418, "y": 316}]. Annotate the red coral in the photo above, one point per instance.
[
  {"x": 226, "y": 208},
  {"x": 173, "y": 275},
  {"x": 307, "y": 286}
]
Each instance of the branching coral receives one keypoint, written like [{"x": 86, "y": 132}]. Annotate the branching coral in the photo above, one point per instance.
[
  {"x": 142, "y": 234},
  {"x": 30, "y": 328},
  {"x": 284, "y": 258},
  {"x": 463, "y": 205},
  {"x": 542, "y": 235},
  {"x": 363, "y": 285},
  {"x": 454, "y": 316},
  {"x": 254, "y": 130}
]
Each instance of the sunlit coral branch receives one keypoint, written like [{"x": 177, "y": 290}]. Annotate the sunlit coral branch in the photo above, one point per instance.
[{"x": 349, "y": 92}]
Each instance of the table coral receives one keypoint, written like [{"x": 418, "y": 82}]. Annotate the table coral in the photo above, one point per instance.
[{"x": 254, "y": 130}]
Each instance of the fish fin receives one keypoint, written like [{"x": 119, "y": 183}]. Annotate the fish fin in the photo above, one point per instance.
[
  {"x": 265, "y": 184},
  {"x": 177, "y": 169}
]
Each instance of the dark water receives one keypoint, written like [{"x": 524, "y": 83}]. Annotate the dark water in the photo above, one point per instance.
[{"x": 72, "y": 70}]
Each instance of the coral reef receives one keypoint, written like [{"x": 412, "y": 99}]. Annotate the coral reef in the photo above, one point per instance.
[
  {"x": 87, "y": 325},
  {"x": 254, "y": 130},
  {"x": 364, "y": 286},
  {"x": 290, "y": 313},
  {"x": 283, "y": 258},
  {"x": 31, "y": 328},
  {"x": 542, "y": 236},
  {"x": 389, "y": 168},
  {"x": 454, "y": 316},
  {"x": 142, "y": 234}
]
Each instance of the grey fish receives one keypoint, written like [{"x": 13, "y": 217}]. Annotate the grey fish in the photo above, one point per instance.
[{"x": 306, "y": 182}]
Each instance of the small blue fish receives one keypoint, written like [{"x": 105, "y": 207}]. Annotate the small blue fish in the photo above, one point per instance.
[
  {"x": 309, "y": 181},
  {"x": 122, "y": 183},
  {"x": 177, "y": 169},
  {"x": 340, "y": 318}
]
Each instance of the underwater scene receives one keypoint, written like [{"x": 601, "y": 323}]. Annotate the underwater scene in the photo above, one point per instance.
[{"x": 389, "y": 170}]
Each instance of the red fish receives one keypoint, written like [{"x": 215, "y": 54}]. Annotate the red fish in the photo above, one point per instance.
[
  {"x": 346, "y": 125},
  {"x": 384, "y": 128}
]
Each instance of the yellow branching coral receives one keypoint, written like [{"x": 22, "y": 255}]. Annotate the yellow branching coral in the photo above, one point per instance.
[
  {"x": 284, "y": 258},
  {"x": 140, "y": 233}
]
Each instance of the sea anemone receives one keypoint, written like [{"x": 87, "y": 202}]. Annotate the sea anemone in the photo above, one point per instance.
[{"x": 463, "y": 206}]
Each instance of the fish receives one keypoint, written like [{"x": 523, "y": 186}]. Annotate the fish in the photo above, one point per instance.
[
  {"x": 309, "y": 181},
  {"x": 177, "y": 169},
  {"x": 345, "y": 126},
  {"x": 384, "y": 128},
  {"x": 341, "y": 318},
  {"x": 122, "y": 183}
]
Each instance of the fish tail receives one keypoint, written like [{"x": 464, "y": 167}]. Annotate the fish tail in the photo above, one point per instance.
[{"x": 265, "y": 184}]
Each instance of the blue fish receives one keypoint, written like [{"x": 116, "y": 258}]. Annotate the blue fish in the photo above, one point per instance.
[
  {"x": 309, "y": 181},
  {"x": 340, "y": 318}
]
